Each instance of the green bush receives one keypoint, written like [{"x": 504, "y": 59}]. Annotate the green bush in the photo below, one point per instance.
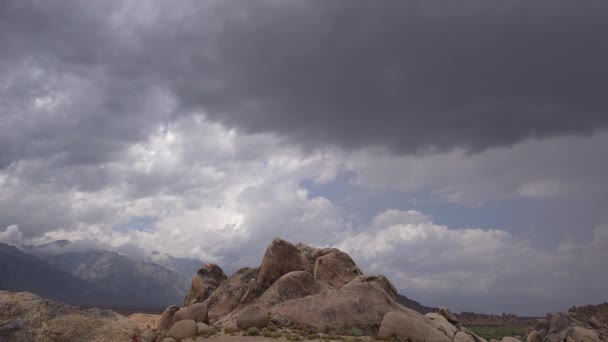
[{"x": 253, "y": 331}]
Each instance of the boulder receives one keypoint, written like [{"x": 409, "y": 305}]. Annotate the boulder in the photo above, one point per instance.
[
  {"x": 252, "y": 316},
  {"x": 27, "y": 317},
  {"x": 579, "y": 334},
  {"x": 205, "y": 281},
  {"x": 541, "y": 324},
  {"x": 534, "y": 336},
  {"x": 445, "y": 312},
  {"x": 202, "y": 328},
  {"x": 293, "y": 285},
  {"x": 149, "y": 335},
  {"x": 359, "y": 303},
  {"x": 229, "y": 294},
  {"x": 198, "y": 312},
  {"x": 443, "y": 323},
  {"x": 462, "y": 336},
  {"x": 182, "y": 314},
  {"x": 336, "y": 269},
  {"x": 183, "y": 329},
  {"x": 166, "y": 318},
  {"x": 406, "y": 327},
  {"x": 281, "y": 257},
  {"x": 595, "y": 323}
]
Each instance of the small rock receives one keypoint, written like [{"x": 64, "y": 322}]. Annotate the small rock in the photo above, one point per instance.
[
  {"x": 252, "y": 316},
  {"x": 149, "y": 335},
  {"x": 281, "y": 321},
  {"x": 168, "y": 339},
  {"x": 183, "y": 329},
  {"x": 534, "y": 336},
  {"x": 202, "y": 328},
  {"x": 445, "y": 312}
]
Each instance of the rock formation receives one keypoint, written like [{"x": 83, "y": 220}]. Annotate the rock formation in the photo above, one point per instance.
[
  {"x": 204, "y": 282},
  {"x": 27, "y": 317},
  {"x": 566, "y": 327},
  {"x": 321, "y": 288}
]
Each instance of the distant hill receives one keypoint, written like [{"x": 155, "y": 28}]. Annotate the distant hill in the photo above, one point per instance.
[
  {"x": 414, "y": 305},
  {"x": 22, "y": 272}
]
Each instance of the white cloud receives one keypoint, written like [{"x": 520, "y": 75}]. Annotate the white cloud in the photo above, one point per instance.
[
  {"x": 11, "y": 235},
  {"x": 472, "y": 268},
  {"x": 562, "y": 166}
]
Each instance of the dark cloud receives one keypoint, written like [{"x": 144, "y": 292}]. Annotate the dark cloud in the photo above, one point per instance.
[
  {"x": 407, "y": 74},
  {"x": 404, "y": 74}
]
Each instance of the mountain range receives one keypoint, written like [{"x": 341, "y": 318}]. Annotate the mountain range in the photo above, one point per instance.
[{"x": 98, "y": 277}]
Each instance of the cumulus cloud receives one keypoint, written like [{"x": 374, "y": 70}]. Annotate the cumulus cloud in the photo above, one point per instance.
[{"x": 473, "y": 268}]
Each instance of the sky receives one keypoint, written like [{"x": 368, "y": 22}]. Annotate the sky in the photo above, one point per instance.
[{"x": 457, "y": 147}]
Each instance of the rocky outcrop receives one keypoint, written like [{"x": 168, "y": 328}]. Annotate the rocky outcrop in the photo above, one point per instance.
[
  {"x": 566, "y": 327},
  {"x": 336, "y": 269},
  {"x": 205, "y": 281},
  {"x": 229, "y": 294},
  {"x": 359, "y": 303},
  {"x": 27, "y": 317},
  {"x": 322, "y": 288},
  {"x": 293, "y": 285}
]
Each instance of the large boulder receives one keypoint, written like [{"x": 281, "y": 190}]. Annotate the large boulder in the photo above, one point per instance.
[
  {"x": 252, "y": 316},
  {"x": 281, "y": 257},
  {"x": 205, "y": 281},
  {"x": 229, "y": 294},
  {"x": 336, "y": 269},
  {"x": 293, "y": 285},
  {"x": 199, "y": 312},
  {"x": 27, "y": 317},
  {"x": 183, "y": 329},
  {"x": 359, "y": 303},
  {"x": 182, "y": 314},
  {"x": 395, "y": 324}
]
